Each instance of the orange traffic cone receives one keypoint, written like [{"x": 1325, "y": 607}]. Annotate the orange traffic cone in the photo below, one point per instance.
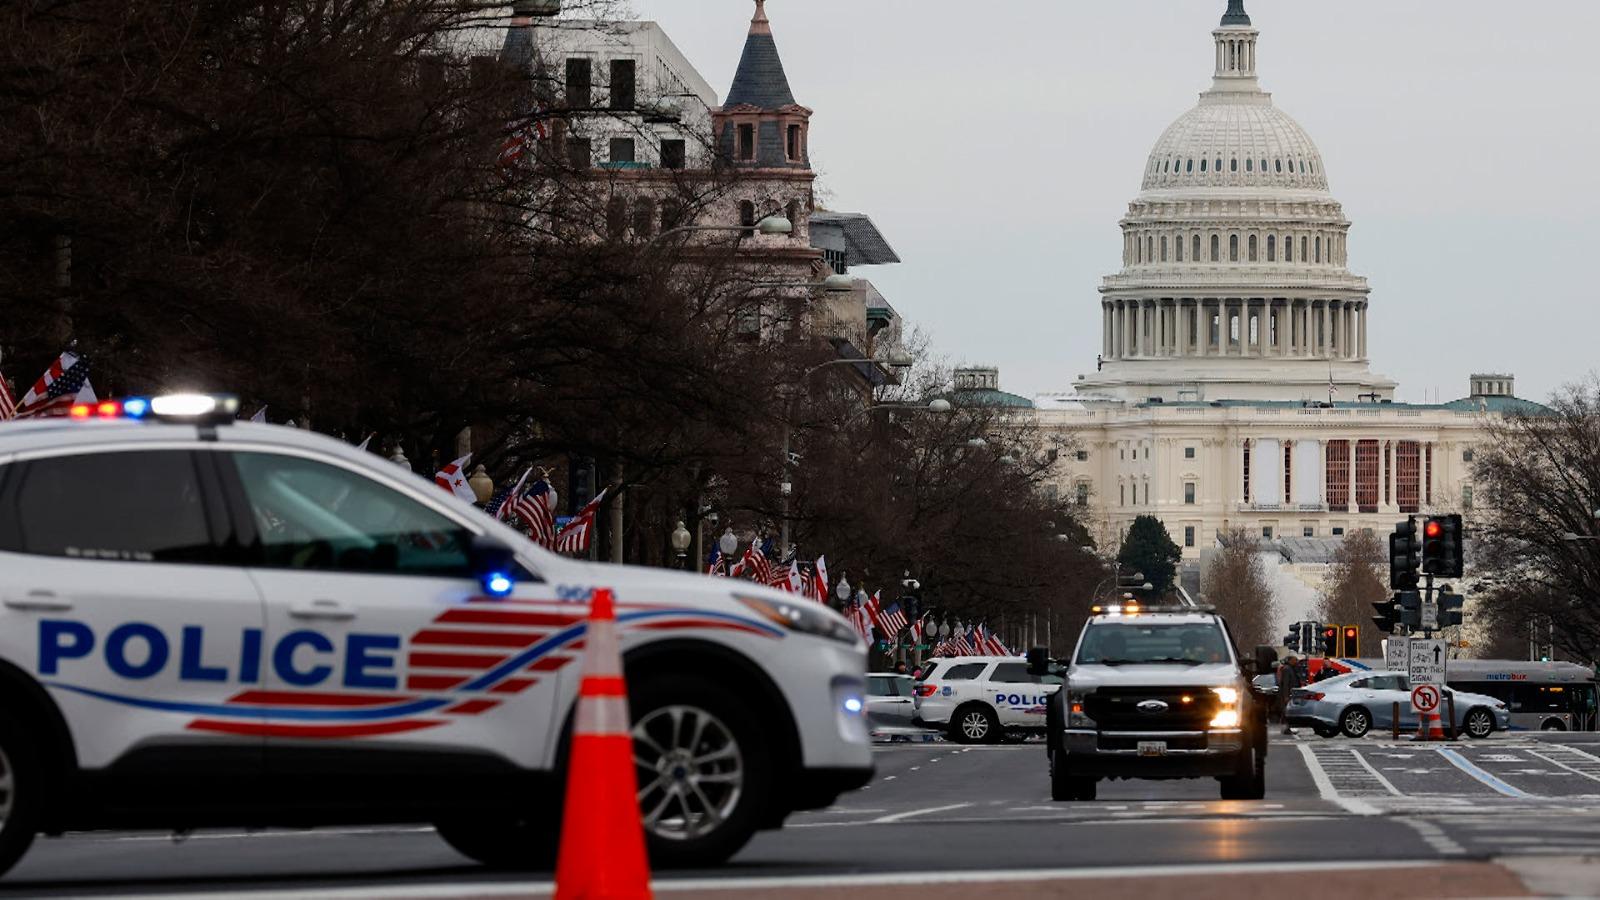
[
  {"x": 1430, "y": 727},
  {"x": 602, "y": 853}
]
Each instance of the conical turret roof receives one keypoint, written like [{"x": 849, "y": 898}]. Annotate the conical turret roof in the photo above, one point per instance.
[{"x": 760, "y": 81}]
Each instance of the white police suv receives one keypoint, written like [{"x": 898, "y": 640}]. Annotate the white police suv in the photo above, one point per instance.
[
  {"x": 210, "y": 623},
  {"x": 978, "y": 699}
]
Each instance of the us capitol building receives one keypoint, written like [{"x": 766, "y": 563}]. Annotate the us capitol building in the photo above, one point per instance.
[{"x": 1234, "y": 387}]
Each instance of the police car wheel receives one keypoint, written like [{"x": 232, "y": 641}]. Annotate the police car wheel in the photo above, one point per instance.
[
  {"x": 18, "y": 793},
  {"x": 1355, "y": 722},
  {"x": 975, "y": 725},
  {"x": 704, "y": 771},
  {"x": 1479, "y": 724},
  {"x": 527, "y": 844}
]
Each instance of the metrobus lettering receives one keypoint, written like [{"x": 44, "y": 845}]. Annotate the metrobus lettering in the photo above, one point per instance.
[{"x": 138, "y": 651}]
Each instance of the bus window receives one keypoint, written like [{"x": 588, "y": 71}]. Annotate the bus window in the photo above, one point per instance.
[
  {"x": 1540, "y": 698},
  {"x": 1500, "y": 690},
  {"x": 1583, "y": 707}
]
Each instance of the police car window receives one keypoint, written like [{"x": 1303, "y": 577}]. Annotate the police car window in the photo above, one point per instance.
[
  {"x": 1123, "y": 643},
  {"x": 310, "y": 515},
  {"x": 144, "y": 506},
  {"x": 964, "y": 672},
  {"x": 1011, "y": 673}
]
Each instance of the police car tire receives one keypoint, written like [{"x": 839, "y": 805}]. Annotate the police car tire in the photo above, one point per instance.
[
  {"x": 992, "y": 735},
  {"x": 20, "y": 765},
  {"x": 756, "y": 794},
  {"x": 525, "y": 844}
]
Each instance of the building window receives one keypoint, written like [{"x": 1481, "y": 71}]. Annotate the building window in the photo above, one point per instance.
[
  {"x": 1188, "y": 535},
  {"x": 1196, "y": 254},
  {"x": 1177, "y": 246},
  {"x": 1338, "y": 476},
  {"x": 1188, "y": 453},
  {"x": 1318, "y": 245},
  {"x": 579, "y": 83},
  {"x": 1427, "y": 475},
  {"x": 1408, "y": 476},
  {"x": 1216, "y": 248},
  {"x": 1466, "y": 496},
  {"x": 1308, "y": 531},
  {"x": 1247, "y": 470},
  {"x": 622, "y": 150},
  {"x": 674, "y": 154},
  {"x": 623, "y": 84},
  {"x": 792, "y": 213},
  {"x": 580, "y": 154},
  {"x": 1388, "y": 472},
  {"x": 1288, "y": 472},
  {"x": 1367, "y": 477},
  {"x": 671, "y": 214},
  {"x": 1188, "y": 493},
  {"x": 1233, "y": 248},
  {"x": 747, "y": 216},
  {"x": 793, "y": 144},
  {"x": 1122, "y": 495},
  {"x": 1466, "y": 455},
  {"x": 644, "y": 218},
  {"x": 1122, "y": 453},
  {"x": 1147, "y": 453},
  {"x": 1338, "y": 532},
  {"x": 747, "y": 143},
  {"x": 1305, "y": 253},
  {"x": 1083, "y": 493},
  {"x": 616, "y": 217},
  {"x": 1163, "y": 248},
  {"x": 1266, "y": 532},
  {"x": 1272, "y": 248},
  {"x": 1083, "y": 456},
  {"x": 1253, "y": 255}
]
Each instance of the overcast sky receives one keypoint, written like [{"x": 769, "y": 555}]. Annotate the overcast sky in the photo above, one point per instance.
[{"x": 997, "y": 143}]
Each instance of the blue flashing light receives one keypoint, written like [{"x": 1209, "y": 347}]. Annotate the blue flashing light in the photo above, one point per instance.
[
  {"x": 135, "y": 407},
  {"x": 852, "y": 705},
  {"x": 498, "y": 584}
]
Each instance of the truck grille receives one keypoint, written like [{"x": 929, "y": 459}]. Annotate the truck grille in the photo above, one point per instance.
[{"x": 1117, "y": 709}]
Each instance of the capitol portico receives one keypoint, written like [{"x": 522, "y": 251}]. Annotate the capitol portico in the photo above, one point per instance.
[{"x": 1233, "y": 387}]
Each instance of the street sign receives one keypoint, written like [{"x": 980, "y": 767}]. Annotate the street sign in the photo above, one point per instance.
[
  {"x": 1430, "y": 617},
  {"x": 1428, "y": 659},
  {"x": 1397, "y": 654},
  {"x": 1425, "y": 698}
]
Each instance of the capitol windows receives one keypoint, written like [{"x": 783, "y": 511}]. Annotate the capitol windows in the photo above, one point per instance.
[
  {"x": 1122, "y": 494},
  {"x": 1188, "y": 453},
  {"x": 1196, "y": 256},
  {"x": 1233, "y": 248},
  {"x": 1191, "y": 166},
  {"x": 1163, "y": 248},
  {"x": 1203, "y": 165},
  {"x": 1319, "y": 249},
  {"x": 1272, "y": 248},
  {"x": 1252, "y": 248},
  {"x": 1216, "y": 248},
  {"x": 1082, "y": 497},
  {"x": 1177, "y": 246},
  {"x": 1249, "y": 165},
  {"x": 1308, "y": 531},
  {"x": 1280, "y": 166},
  {"x": 1305, "y": 249},
  {"x": 1188, "y": 493},
  {"x": 1233, "y": 165},
  {"x": 1188, "y": 536}
]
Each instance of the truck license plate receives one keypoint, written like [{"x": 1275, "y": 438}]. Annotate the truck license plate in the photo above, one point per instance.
[{"x": 1152, "y": 748}]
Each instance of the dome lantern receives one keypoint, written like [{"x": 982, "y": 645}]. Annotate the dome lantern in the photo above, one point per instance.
[{"x": 1236, "y": 51}]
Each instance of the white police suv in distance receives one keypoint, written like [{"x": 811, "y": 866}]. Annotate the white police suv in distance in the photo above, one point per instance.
[
  {"x": 977, "y": 699},
  {"x": 209, "y": 623}
]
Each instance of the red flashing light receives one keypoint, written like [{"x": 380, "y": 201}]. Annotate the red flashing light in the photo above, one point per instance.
[
  {"x": 1350, "y": 632},
  {"x": 109, "y": 409},
  {"x": 1433, "y": 529},
  {"x": 80, "y": 411}
]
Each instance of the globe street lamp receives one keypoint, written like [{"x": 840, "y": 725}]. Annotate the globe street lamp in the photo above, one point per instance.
[
  {"x": 680, "y": 543},
  {"x": 842, "y": 591},
  {"x": 728, "y": 544}
]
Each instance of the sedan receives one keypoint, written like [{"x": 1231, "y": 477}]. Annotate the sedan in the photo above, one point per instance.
[
  {"x": 891, "y": 700},
  {"x": 1359, "y": 702}
]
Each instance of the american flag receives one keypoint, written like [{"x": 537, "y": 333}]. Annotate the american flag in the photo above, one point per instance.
[
  {"x": 576, "y": 536},
  {"x": 754, "y": 564},
  {"x": 453, "y": 478},
  {"x": 717, "y": 564},
  {"x": 8, "y": 403},
  {"x": 66, "y": 382},
  {"x": 520, "y": 136},
  {"x": 499, "y": 505},
  {"x": 536, "y": 507},
  {"x": 861, "y": 621},
  {"x": 819, "y": 580},
  {"x": 893, "y": 621}
]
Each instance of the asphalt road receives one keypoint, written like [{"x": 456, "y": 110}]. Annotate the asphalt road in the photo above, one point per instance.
[{"x": 937, "y": 807}]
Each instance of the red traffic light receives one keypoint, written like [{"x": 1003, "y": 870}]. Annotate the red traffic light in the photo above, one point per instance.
[
  {"x": 1350, "y": 632},
  {"x": 1433, "y": 529}
]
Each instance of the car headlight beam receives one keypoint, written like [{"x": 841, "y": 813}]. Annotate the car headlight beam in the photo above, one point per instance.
[{"x": 805, "y": 618}]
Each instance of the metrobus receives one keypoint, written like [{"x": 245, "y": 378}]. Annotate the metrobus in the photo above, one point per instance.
[{"x": 1542, "y": 696}]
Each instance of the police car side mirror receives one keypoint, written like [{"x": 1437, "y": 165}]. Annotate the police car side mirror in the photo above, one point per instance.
[
  {"x": 1039, "y": 662},
  {"x": 493, "y": 563}
]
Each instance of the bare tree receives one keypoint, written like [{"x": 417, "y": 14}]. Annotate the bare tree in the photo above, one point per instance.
[
  {"x": 1354, "y": 581},
  {"x": 1236, "y": 583},
  {"x": 1538, "y": 479}
]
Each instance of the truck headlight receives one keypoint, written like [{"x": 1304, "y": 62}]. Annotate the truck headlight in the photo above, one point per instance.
[
  {"x": 807, "y": 618},
  {"x": 1228, "y": 715},
  {"x": 1075, "y": 715}
]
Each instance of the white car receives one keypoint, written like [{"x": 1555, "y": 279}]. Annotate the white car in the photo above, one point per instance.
[
  {"x": 977, "y": 699},
  {"x": 212, "y": 623}
]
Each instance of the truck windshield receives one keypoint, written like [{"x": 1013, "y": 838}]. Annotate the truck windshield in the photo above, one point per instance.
[{"x": 1144, "y": 643}]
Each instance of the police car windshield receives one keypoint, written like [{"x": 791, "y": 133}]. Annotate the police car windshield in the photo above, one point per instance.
[{"x": 1147, "y": 643}]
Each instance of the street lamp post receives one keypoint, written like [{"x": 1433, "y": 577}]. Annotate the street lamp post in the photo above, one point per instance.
[
  {"x": 681, "y": 539},
  {"x": 729, "y": 545}
]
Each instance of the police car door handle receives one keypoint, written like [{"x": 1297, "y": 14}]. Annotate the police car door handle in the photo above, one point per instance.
[
  {"x": 39, "y": 601},
  {"x": 331, "y": 610}
]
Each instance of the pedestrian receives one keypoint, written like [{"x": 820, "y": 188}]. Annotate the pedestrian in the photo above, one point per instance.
[{"x": 1288, "y": 679}]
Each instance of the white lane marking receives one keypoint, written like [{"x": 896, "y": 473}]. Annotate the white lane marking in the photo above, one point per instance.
[
  {"x": 1374, "y": 772},
  {"x": 802, "y": 882},
  {"x": 1325, "y": 787},
  {"x": 916, "y": 768},
  {"x": 911, "y": 814},
  {"x": 1435, "y": 837},
  {"x": 1462, "y": 763},
  {"x": 1557, "y": 762},
  {"x": 890, "y": 777}
]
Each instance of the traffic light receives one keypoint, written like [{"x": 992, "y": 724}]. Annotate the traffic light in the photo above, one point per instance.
[
  {"x": 1352, "y": 642},
  {"x": 1410, "y": 608},
  {"x": 1404, "y": 550},
  {"x": 1441, "y": 547},
  {"x": 1329, "y": 643},
  {"x": 1450, "y": 608},
  {"x": 1292, "y": 639},
  {"x": 1388, "y": 614}
]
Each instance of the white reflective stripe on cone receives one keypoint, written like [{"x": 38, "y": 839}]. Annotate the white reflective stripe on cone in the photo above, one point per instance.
[
  {"x": 601, "y": 653},
  {"x": 602, "y": 717}
]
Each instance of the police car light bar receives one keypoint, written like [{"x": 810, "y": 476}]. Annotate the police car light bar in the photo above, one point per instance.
[{"x": 200, "y": 408}]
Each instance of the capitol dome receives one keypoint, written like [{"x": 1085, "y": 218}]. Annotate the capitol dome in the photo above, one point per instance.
[{"x": 1235, "y": 140}]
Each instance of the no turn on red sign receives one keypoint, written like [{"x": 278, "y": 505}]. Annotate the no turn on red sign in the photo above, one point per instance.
[{"x": 1425, "y": 698}]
